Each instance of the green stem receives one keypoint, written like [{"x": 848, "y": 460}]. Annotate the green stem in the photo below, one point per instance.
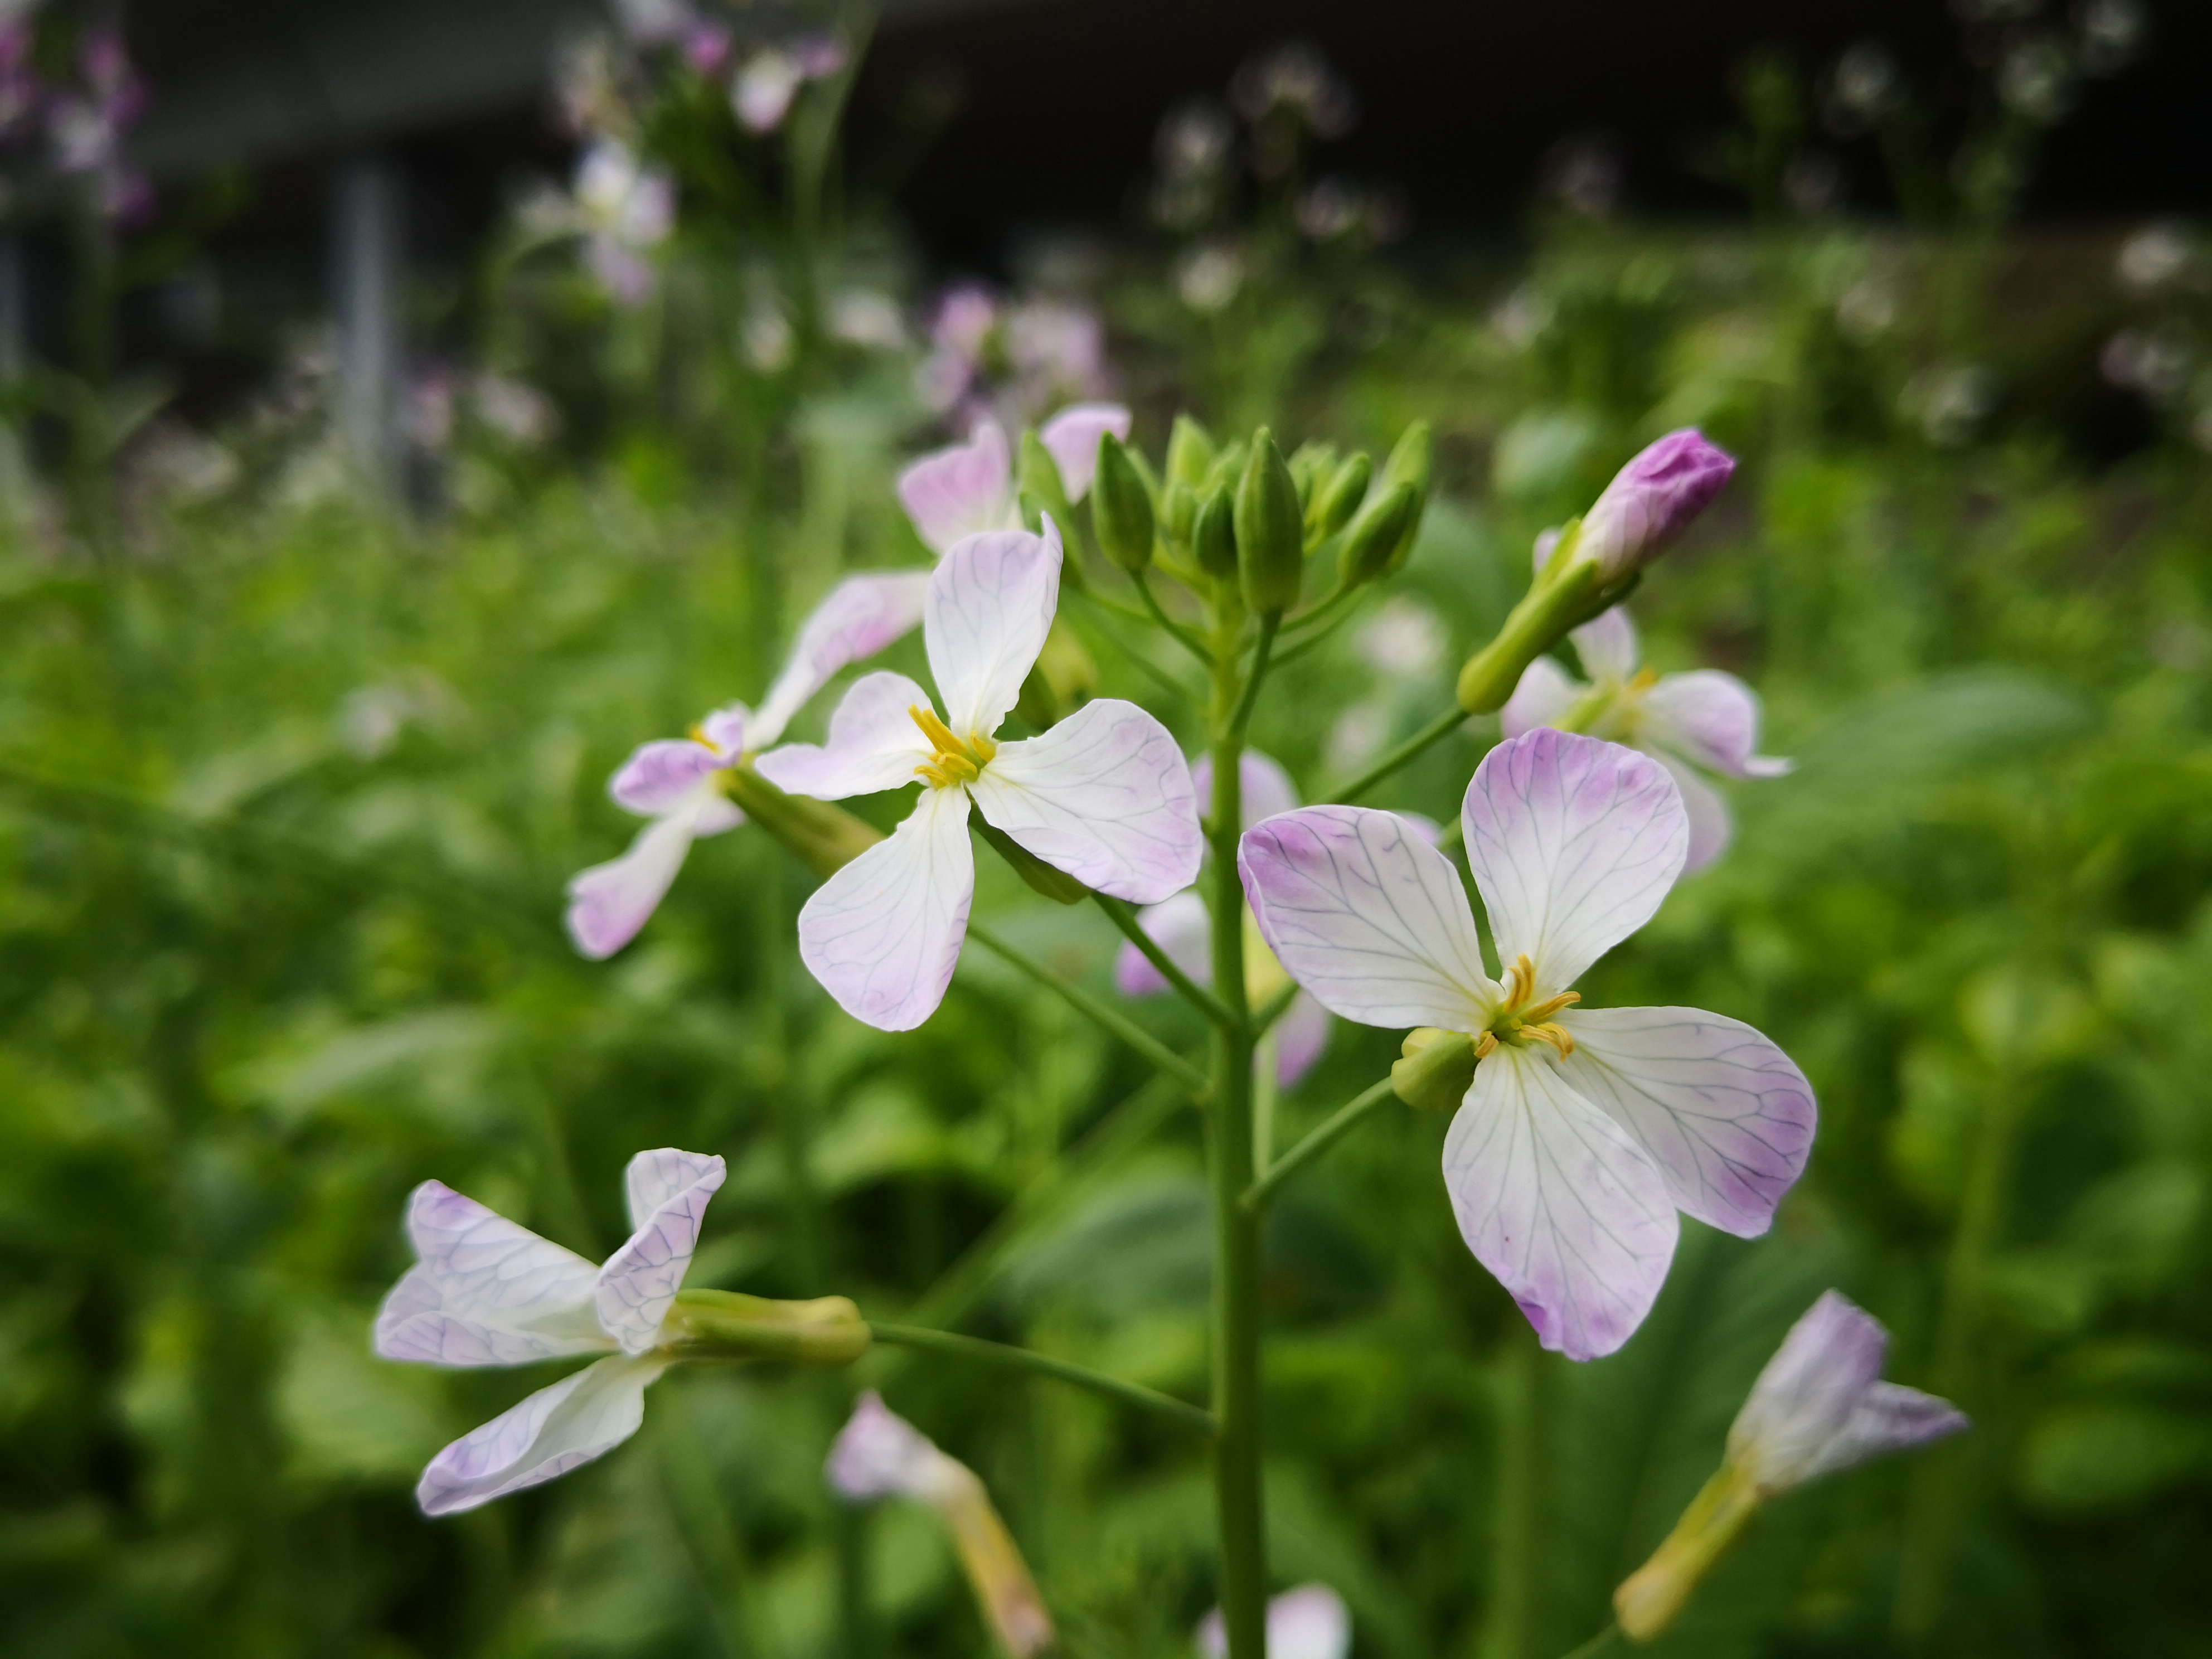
[
  {"x": 1193, "y": 993},
  {"x": 1238, "y": 1499},
  {"x": 1024, "y": 1359},
  {"x": 1268, "y": 626},
  {"x": 1265, "y": 1016},
  {"x": 1190, "y": 641},
  {"x": 1319, "y": 636},
  {"x": 1514, "y": 1492},
  {"x": 1115, "y": 1025},
  {"x": 1608, "y": 1638},
  {"x": 1419, "y": 743},
  {"x": 1340, "y": 1123},
  {"x": 1150, "y": 670}
]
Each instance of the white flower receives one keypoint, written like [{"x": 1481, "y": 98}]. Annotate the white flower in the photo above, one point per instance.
[
  {"x": 1308, "y": 1622},
  {"x": 623, "y": 209},
  {"x": 485, "y": 1291},
  {"x": 1104, "y": 796},
  {"x": 677, "y": 782},
  {"x": 966, "y": 488}
]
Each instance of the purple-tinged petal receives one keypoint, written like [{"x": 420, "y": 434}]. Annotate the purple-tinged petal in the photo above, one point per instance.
[
  {"x": 1725, "y": 1114},
  {"x": 1363, "y": 915},
  {"x": 555, "y": 1430},
  {"x": 1651, "y": 502},
  {"x": 652, "y": 1179},
  {"x": 659, "y": 776},
  {"x": 1606, "y": 645},
  {"x": 1105, "y": 796},
  {"x": 1264, "y": 788},
  {"x": 1712, "y": 826},
  {"x": 1181, "y": 928},
  {"x": 1545, "y": 693},
  {"x": 1554, "y": 1198},
  {"x": 990, "y": 605},
  {"x": 1573, "y": 843},
  {"x": 1806, "y": 1393},
  {"x": 883, "y": 935},
  {"x": 1301, "y": 1038},
  {"x": 861, "y": 615},
  {"x": 1072, "y": 439},
  {"x": 638, "y": 1285},
  {"x": 1707, "y": 717},
  {"x": 762, "y": 91},
  {"x": 1888, "y": 1418},
  {"x": 874, "y": 743},
  {"x": 484, "y": 1291},
  {"x": 1425, "y": 829},
  {"x": 879, "y": 1453},
  {"x": 728, "y": 730},
  {"x": 961, "y": 491},
  {"x": 609, "y": 902}
]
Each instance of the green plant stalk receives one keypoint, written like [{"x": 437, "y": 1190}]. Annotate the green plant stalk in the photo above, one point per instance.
[
  {"x": 1413, "y": 747},
  {"x": 1340, "y": 1123},
  {"x": 1025, "y": 1359},
  {"x": 1119, "y": 913},
  {"x": 1505, "y": 1627},
  {"x": 1238, "y": 1502},
  {"x": 1114, "y": 1024}
]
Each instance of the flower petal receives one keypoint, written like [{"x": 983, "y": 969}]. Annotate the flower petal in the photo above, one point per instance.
[
  {"x": 1807, "y": 1392},
  {"x": 1072, "y": 439},
  {"x": 1555, "y": 1199},
  {"x": 1725, "y": 1114},
  {"x": 1546, "y": 692},
  {"x": 874, "y": 743},
  {"x": 1301, "y": 1038},
  {"x": 1368, "y": 918},
  {"x": 1308, "y": 1622},
  {"x": 884, "y": 933},
  {"x": 962, "y": 490},
  {"x": 1712, "y": 826},
  {"x": 1264, "y": 788},
  {"x": 1180, "y": 926},
  {"x": 484, "y": 1291},
  {"x": 1711, "y": 717},
  {"x": 1573, "y": 843},
  {"x": 609, "y": 902},
  {"x": 860, "y": 616},
  {"x": 1104, "y": 796},
  {"x": 1606, "y": 645},
  {"x": 658, "y": 775},
  {"x": 547, "y": 1434},
  {"x": 1888, "y": 1417},
  {"x": 726, "y": 729},
  {"x": 638, "y": 1282},
  {"x": 879, "y": 1453},
  {"x": 990, "y": 604}
]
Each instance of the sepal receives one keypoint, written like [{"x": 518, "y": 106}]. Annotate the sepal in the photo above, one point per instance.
[
  {"x": 1437, "y": 1069},
  {"x": 822, "y": 837},
  {"x": 724, "y": 1325}
]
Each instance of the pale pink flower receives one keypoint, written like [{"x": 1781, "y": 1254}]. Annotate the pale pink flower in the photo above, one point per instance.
[
  {"x": 1308, "y": 1622},
  {"x": 966, "y": 488}
]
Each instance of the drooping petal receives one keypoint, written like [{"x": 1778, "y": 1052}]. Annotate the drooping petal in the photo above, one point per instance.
[
  {"x": 1545, "y": 693},
  {"x": 659, "y": 776},
  {"x": 638, "y": 1284},
  {"x": 1105, "y": 796},
  {"x": 860, "y": 616},
  {"x": 1072, "y": 439},
  {"x": 1264, "y": 788},
  {"x": 1726, "y": 1116},
  {"x": 551, "y": 1432},
  {"x": 1806, "y": 1393},
  {"x": 961, "y": 491},
  {"x": 609, "y": 902},
  {"x": 1889, "y": 1417},
  {"x": 1366, "y": 917},
  {"x": 1553, "y": 1198},
  {"x": 990, "y": 605},
  {"x": 484, "y": 1291},
  {"x": 874, "y": 743},
  {"x": 1181, "y": 928},
  {"x": 1711, "y": 717},
  {"x": 1712, "y": 826},
  {"x": 1573, "y": 843},
  {"x": 884, "y": 933},
  {"x": 1606, "y": 645},
  {"x": 1301, "y": 1038}
]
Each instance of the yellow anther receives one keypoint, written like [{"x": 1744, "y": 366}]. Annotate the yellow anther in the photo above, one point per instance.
[
  {"x": 955, "y": 760},
  {"x": 939, "y": 733},
  {"x": 1485, "y": 1045},
  {"x": 1544, "y": 1011},
  {"x": 1554, "y": 1035},
  {"x": 1644, "y": 680}
]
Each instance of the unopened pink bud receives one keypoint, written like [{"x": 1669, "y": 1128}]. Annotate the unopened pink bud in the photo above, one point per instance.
[{"x": 1651, "y": 502}]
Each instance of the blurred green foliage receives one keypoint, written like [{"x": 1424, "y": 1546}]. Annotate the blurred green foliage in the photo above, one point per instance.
[{"x": 288, "y": 791}]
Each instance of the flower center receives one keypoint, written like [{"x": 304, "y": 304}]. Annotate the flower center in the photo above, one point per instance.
[
  {"x": 1520, "y": 1019},
  {"x": 957, "y": 760}
]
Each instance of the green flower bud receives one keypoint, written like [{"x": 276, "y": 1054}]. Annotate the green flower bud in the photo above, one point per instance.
[
  {"x": 1271, "y": 539},
  {"x": 1178, "y": 514},
  {"x": 1214, "y": 536},
  {"x": 1377, "y": 534},
  {"x": 1311, "y": 467},
  {"x": 1228, "y": 467},
  {"x": 1190, "y": 452},
  {"x": 1041, "y": 491},
  {"x": 1412, "y": 460},
  {"x": 1340, "y": 498},
  {"x": 1438, "y": 1069},
  {"x": 1120, "y": 507},
  {"x": 709, "y": 1325}
]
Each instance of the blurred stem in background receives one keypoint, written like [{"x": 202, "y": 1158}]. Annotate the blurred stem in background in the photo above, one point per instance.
[{"x": 1516, "y": 1377}]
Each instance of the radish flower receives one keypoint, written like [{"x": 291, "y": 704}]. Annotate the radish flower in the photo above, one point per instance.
[
  {"x": 485, "y": 1291},
  {"x": 969, "y": 488},
  {"x": 1583, "y": 1131},
  {"x": 677, "y": 782},
  {"x": 1103, "y": 796},
  {"x": 1308, "y": 1622}
]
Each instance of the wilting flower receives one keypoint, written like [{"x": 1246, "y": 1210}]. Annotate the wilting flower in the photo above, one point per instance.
[
  {"x": 1308, "y": 1622},
  {"x": 1702, "y": 722},
  {"x": 623, "y": 209},
  {"x": 762, "y": 91},
  {"x": 677, "y": 782},
  {"x": 966, "y": 488},
  {"x": 1181, "y": 928},
  {"x": 1103, "y": 796},
  {"x": 1820, "y": 1406},
  {"x": 1583, "y": 1131},
  {"x": 485, "y": 1291},
  {"x": 879, "y": 1453}
]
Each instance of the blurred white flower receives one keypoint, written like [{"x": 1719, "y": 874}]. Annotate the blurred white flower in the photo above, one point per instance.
[
  {"x": 1865, "y": 87},
  {"x": 1949, "y": 405},
  {"x": 770, "y": 341},
  {"x": 516, "y": 411},
  {"x": 2036, "y": 79},
  {"x": 1310, "y": 1622},
  {"x": 2113, "y": 33},
  {"x": 2154, "y": 257},
  {"x": 1521, "y": 317},
  {"x": 866, "y": 317},
  {"x": 1208, "y": 277},
  {"x": 1404, "y": 639},
  {"x": 2148, "y": 361}
]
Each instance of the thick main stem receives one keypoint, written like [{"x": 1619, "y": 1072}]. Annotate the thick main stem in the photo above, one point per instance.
[{"x": 1237, "y": 1496}]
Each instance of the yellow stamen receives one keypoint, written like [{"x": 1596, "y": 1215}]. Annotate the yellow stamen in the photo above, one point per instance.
[
  {"x": 1644, "y": 680},
  {"x": 1544, "y": 1011},
  {"x": 1554, "y": 1035},
  {"x": 1485, "y": 1045},
  {"x": 955, "y": 760}
]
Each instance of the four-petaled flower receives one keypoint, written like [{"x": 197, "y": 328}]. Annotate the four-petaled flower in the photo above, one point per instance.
[
  {"x": 1104, "y": 796},
  {"x": 677, "y": 782},
  {"x": 965, "y": 488},
  {"x": 1705, "y": 720},
  {"x": 485, "y": 1291},
  {"x": 1583, "y": 1131}
]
